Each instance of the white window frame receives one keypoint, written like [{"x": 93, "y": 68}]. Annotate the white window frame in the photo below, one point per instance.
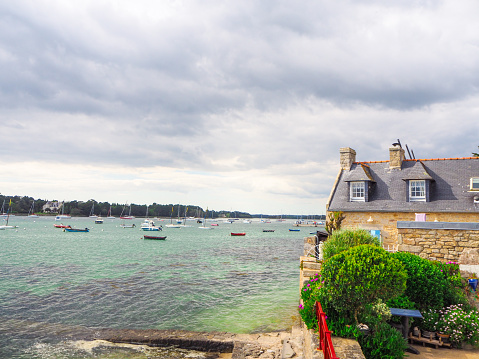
[
  {"x": 417, "y": 190},
  {"x": 357, "y": 191},
  {"x": 474, "y": 184}
]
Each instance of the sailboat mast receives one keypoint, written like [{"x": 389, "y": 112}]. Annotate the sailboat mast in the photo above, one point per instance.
[{"x": 8, "y": 211}]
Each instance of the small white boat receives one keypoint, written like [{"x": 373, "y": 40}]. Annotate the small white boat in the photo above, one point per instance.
[
  {"x": 153, "y": 228},
  {"x": 8, "y": 227},
  {"x": 127, "y": 225},
  {"x": 149, "y": 225},
  {"x": 92, "y": 211},
  {"x": 31, "y": 212},
  {"x": 62, "y": 216},
  {"x": 109, "y": 216},
  {"x": 98, "y": 220}
]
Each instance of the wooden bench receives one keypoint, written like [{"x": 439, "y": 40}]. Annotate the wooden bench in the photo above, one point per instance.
[{"x": 424, "y": 340}]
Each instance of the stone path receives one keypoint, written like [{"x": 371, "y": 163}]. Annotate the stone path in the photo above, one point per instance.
[{"x": 443, "y": 353}]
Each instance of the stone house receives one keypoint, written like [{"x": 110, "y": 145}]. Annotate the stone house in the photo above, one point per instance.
[
  {"x": 429, "y": 206},
  {"x": 52, "y": 206}
]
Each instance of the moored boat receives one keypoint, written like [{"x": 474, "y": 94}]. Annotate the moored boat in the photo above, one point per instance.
[
  {"x": 294, "y": 230},
  {"x": 61, "y": 216},
  {"x": 31, "y": 212},
  {"x": 154, "y": 237},
  {"x": 98, "y": 220},
  {"x": 149, "y": 225},
  {"x": 268, "y": 230},
  {"x": 61, "y": 225},
  {"x": 129, "y": 216},
  {"x": 70, "y": 229},
  {"x": 7, "y": 227},
  {"x": 238, "y": 234}
]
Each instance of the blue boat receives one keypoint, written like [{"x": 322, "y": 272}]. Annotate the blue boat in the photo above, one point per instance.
[
  {"x": 76, "y": 229},
  {"x": 294, "y": 230}
]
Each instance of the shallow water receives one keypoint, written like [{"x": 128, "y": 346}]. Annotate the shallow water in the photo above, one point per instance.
[{"x": 199, "y": 280}]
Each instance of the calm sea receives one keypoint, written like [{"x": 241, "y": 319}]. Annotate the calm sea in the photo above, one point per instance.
[{"x": 200, "y": 280}]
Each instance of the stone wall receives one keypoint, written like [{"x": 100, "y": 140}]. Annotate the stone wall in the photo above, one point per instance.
[
  {"x": 387, "y": 222},
  {"x": 441, "y": 244}
]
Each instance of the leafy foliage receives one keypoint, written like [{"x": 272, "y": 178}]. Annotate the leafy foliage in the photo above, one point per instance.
[
  {"x": 454, "y": 290},
  {"x": 344, "y": 239},
  {"x": 425, "y": 284},
  {"x": 384, "y": 343},
  {"x": 309, "y": 295},
  {"x": 359, "y": 276}
]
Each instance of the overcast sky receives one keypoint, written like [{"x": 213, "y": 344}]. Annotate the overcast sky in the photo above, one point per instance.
[{"x": 231, "y": 105}]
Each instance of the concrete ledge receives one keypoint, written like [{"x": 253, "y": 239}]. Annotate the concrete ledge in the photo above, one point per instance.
[
  {"x": 464, "y": 226},
  {"x": 344, "y": 348}
]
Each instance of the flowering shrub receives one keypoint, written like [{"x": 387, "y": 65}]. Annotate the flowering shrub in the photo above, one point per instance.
[
  {"x": 463, "y": 326},
  {"x": 309, "y": 295},
  {"x": 430, "y": 320}
]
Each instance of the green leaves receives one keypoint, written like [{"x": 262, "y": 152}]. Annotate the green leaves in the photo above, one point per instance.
[
  {"x": 361, "y": 275},
  {"x": 426, "y": 285},
  {"x": 346, "y": 238}
]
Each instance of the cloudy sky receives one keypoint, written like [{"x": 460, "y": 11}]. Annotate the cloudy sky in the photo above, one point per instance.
[{"x": 231, "y": 105}]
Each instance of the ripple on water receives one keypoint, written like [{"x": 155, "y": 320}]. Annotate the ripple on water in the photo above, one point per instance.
[{"x": 111, "y": 278}]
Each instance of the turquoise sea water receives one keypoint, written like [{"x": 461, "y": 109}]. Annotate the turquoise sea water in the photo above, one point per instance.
[{"x": 200, "y": 280}]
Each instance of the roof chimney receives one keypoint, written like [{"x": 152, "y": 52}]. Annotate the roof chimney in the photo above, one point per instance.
[
  {"x": 347, "y": 157},
  {"x": 396, "y": 156}
]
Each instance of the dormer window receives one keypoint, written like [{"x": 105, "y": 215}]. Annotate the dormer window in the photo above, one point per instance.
[
  {"x": 417, "y": 190},
  {"x": 357, "y": 191},
  {"x": 475, "y": 184}
]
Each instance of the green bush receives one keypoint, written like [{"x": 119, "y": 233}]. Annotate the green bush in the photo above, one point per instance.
[
  {"x": 344, "y": 239},
  {"x": 383, "y": 343},
  {"x": 359, "y": 276},
  {"x": 454, "y": 290},
  {"x": 375, "y": 313},
  {"x": 403, "y": 302},
  {"x": 309, "y": 295},
  {"x": 426, "y": 284}
]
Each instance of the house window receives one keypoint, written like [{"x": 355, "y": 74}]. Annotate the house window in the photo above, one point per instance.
[
  {"x": 417, "y": 190},
  {"x": 475, "y": 184},
  {"x": 358, "y": 193}
]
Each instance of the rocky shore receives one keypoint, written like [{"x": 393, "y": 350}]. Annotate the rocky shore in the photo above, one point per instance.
[{"x": 273, "y": 345}]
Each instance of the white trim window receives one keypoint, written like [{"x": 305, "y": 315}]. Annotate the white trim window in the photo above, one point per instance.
[
  {"x": 417, "y": 190},
  {"x": 357, "y": 191},
  {"x": 475, "y": 184}
]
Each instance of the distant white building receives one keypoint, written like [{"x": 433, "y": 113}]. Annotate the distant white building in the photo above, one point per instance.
[{"x": 52, "y": 206}]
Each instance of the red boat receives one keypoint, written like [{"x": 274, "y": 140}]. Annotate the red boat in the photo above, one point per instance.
[
  {"x": 61, "y": 226},
  {"x": 238, "y": 234}
]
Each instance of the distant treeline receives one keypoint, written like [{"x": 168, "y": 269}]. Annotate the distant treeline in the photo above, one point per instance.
[{"x": 23, "y": 205}]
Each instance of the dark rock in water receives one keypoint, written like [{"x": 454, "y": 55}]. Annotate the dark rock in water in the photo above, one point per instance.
[{"x": 207, "y": 342}]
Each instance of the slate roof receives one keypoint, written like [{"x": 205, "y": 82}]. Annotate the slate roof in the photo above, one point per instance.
[{"x": 449, "y": 190}]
